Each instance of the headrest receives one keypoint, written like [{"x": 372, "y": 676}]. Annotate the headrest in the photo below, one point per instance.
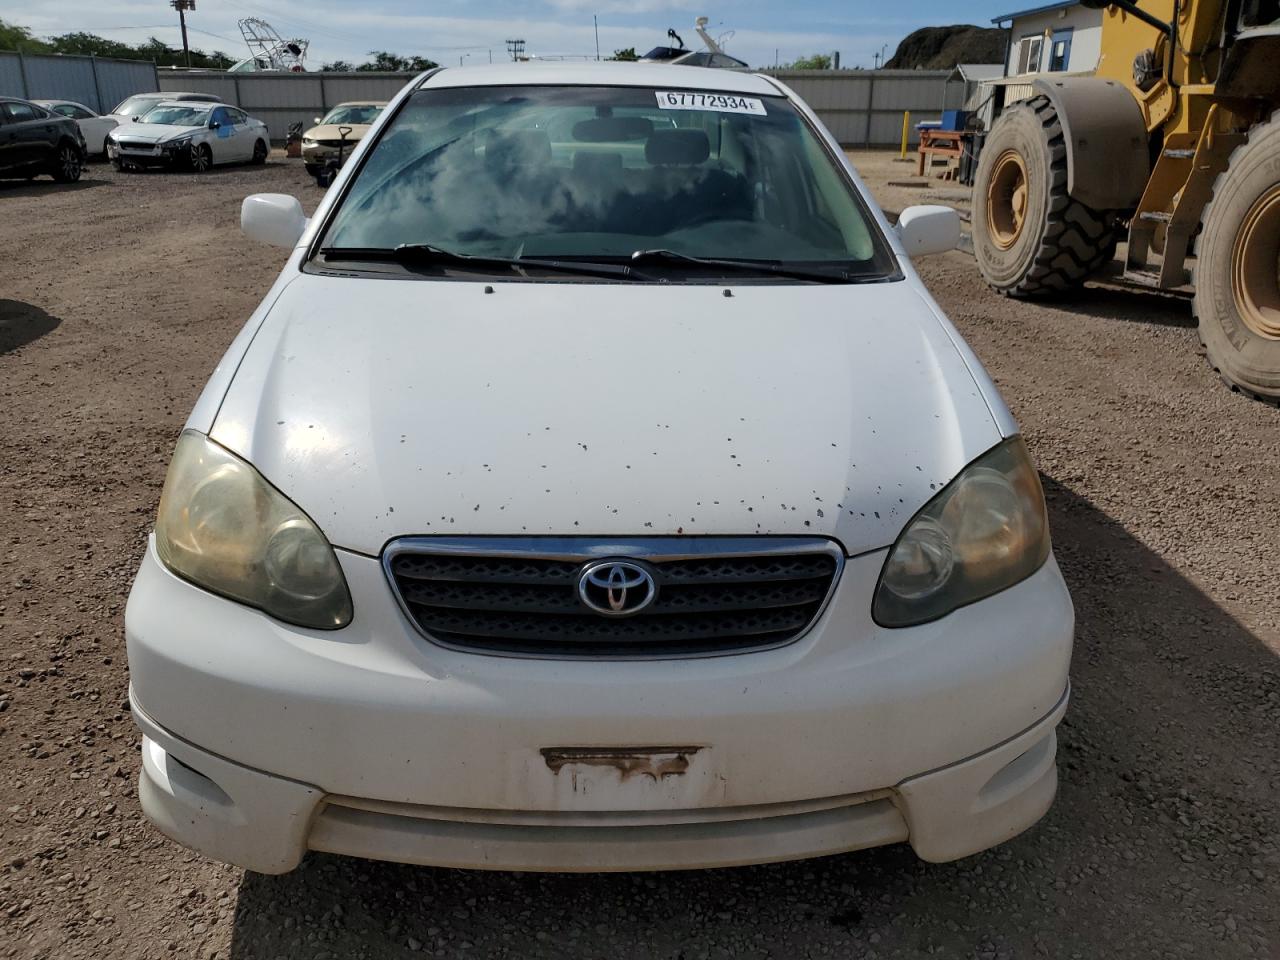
[
  {"x": 521, "y": 148},
  {"x": 612, "y": 129},
  {"x": 677, "y": 146}
]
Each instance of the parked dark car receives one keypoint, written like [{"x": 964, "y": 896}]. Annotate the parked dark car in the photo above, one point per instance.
[{"x": 34, "y": 141}]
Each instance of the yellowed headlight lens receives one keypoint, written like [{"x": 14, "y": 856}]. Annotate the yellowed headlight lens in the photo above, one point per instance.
[
  {"x": 224, "y": 528},
  {"x": 986, "y": 531}
]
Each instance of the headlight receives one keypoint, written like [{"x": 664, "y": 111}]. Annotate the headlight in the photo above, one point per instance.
[
  {"x": 177, "y": 144},
  {"x": 309, "y": 141},
  {"x": 986, "y": 531},
  {"x": 224, "y": 528}
]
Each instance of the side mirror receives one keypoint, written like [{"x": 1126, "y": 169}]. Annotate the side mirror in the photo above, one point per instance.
[
  {"x": 274, "y": 218},
  {"x": 213, "y": 124},
  {"x": 928, "y": 229},
  {"x": 317, "y": 121}
]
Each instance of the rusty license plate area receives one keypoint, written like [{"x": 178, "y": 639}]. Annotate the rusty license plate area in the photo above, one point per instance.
[{"x": 631, "y": 778}]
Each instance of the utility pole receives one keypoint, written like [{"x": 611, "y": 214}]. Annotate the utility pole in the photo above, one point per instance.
[
  {"x": 516, "y": 49},
  {"x": 182, "y": 6},
  {"x": 596, "y": 21}
]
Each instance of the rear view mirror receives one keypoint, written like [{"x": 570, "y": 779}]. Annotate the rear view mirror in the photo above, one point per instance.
[
  {"x": 612, "y": 129},
  {"x": 928, "y": 229},
  {"x": 274, "y": 218}
]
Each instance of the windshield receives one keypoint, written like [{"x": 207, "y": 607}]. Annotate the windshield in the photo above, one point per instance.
[
  {"x": 359, "y": 113},
  {"x": 604, "y": 172},
  {"x": 135, "y": 106},
  {"x": 195, "y": 116}
]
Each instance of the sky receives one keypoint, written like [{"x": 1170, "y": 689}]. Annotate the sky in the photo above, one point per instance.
[{"x": 452, "y": 30}]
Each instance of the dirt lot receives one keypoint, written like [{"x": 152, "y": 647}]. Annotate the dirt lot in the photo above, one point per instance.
[{"x": 117, "y": 297}]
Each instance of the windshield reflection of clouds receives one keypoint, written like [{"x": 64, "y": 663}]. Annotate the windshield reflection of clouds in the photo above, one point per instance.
[
  {"x": 579, "y": 181},
  {"x": 176, "y": 117},
  {"x": 360, "y": 115}
]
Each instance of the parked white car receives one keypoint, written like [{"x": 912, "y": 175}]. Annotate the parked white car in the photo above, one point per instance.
[
  {"x": 189, "y": 136},
  {"x": 93, "y": 127},
  {"x": 594, "y": 491},
  {"x": 137, "y": 105}
]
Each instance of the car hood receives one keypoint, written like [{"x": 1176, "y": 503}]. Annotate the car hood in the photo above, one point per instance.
[
  {"x": 155, "y": 132},
  {"x": 329, "y": 131},
  {"x": 390, "y": 407}
]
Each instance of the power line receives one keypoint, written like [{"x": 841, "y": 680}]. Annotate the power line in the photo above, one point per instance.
[
  {"x": 139, "y": 26},
  {"x": 217, "y": 36},
  {"x": 156, "y": 26}
]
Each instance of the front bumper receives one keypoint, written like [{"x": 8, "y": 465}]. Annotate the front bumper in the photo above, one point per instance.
[
  {"x": 163, "y": 158},
  {"x": 267, "y": 823},
  {"x": 319, "y": 156},
  {"x": 263, "y": 741}
]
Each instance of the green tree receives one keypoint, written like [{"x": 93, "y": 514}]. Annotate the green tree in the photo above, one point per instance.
[
  {"x": 155, "y": 49},
  {"x": 394, "y": 63},
  {"x": 88, "y": 43},
  {"x": 628, "y": 53},
  {"x": 819, "y": 61},
  {"x": 14, "y": 37},
  {"x": 337, "y": 66}
]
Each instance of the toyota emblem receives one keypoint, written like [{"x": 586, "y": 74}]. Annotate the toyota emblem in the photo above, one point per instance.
[{"x": 616, "y": 588}]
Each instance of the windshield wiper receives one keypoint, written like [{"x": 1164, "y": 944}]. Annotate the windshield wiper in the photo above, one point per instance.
[
  {"x": 816, "y": 274},
  {"x": 425, "y": 253}
]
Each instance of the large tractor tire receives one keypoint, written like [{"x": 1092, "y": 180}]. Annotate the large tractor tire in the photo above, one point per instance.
[
  {"x": 1029, "y": 236},
  {"x": 1237, "y": 270}
]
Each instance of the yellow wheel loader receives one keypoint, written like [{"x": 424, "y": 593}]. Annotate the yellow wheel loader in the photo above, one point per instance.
[{"x": 1174, "y": 144}]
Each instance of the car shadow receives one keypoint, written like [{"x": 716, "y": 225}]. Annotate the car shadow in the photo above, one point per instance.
[
  {"x": 222, "y": 170},
  {"x": 44, "y": 185},
  {"x": 1167, "y": 808},
  {"x": 21, "y": 323}
]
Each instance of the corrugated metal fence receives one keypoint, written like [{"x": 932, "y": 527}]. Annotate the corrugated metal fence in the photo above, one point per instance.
[
  {"x": 279, "y": 99},
  {"x": 861, "y": 107},
  {"x": 97, "y": 82},
  {"x": 865, "y": 107}
]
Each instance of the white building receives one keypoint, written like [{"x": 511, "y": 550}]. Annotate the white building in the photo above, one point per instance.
[
  {"x": 1063, "y": 37},
  {"x": 1059, "y": 37}
]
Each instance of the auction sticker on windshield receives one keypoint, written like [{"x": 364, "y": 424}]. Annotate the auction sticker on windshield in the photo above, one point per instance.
[{"x": 722, "y": 102}]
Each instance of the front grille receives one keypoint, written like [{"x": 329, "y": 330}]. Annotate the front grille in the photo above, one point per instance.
[
  {"x": 520, "y": 596},
  {"x": 337, "y": 143},
  {"x": 137, "y": 146}
]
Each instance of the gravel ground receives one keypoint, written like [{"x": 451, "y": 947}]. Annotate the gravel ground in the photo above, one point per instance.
[{"x": 116, "y": 299}]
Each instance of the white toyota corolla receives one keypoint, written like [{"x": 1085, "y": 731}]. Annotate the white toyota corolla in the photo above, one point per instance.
[{"x": 598, "y": 488}]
